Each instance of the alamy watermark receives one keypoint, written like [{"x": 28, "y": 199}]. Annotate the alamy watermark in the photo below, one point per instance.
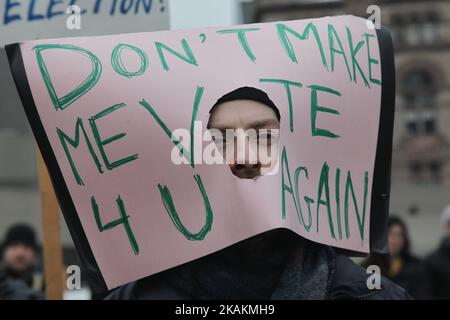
[
  {"x": 73, "y": 22},
  {"x": 374, "y": 280},
  {"x": 230, "y": 146},
  {"x": 73, "y": 281},
  {"x": 374, "y": 20}
]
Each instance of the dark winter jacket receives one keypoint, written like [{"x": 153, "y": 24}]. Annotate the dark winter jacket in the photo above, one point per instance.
[
  {"x": 322, "y": 273},
  {"x": 413, "y": 275},
  {"x": 438, "y": 265},
  {"x": 350, "y": 283},
  {"x": 12, "y": 289}
]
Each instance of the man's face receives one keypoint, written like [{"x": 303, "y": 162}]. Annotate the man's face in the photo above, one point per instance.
[
  {"x": 247, "y": 134},
  {"x": 396, "y": 240},
  {"x": 19, "y": 257}
]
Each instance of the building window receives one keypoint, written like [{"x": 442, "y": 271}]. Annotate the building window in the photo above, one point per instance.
[
  {"x": 430, "y": 28},
  {"x": 397, "y": 26},
  {"x": 430, "y": 171},
  {"x": 412, "y": 123},
  {"x": 429, "y": 121},
  {"x": 419, "y": 102},
  {"x": 436, "y": 171},
  {"x": 416, "y": 170},
  {"x": 415, "y": 29}
]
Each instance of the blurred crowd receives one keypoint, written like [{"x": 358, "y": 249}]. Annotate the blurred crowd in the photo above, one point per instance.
[
  {"x": 427, "y": 278},
  {"x": 21, "y": 276}
]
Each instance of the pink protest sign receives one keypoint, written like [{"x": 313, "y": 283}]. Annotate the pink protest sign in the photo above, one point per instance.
[{"x": 149, "y": 198}]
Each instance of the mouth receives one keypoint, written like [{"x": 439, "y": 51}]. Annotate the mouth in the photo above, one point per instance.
[{"x": 248, "y": 175}]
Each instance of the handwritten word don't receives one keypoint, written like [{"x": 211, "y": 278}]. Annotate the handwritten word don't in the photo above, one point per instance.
[{"x": 337, "y": 53}]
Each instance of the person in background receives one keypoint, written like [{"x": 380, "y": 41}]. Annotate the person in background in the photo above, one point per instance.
[
  {"x": 400, "y": 265},
  {"x": 11, "y": 289},
  {"x": 438, "y": 262},
  {"x": 19, "y": 257}
]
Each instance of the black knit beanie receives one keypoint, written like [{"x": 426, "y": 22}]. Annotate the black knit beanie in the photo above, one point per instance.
[
  {"x": 248, "y": 93},
  {"x": 20, "y": 234}
]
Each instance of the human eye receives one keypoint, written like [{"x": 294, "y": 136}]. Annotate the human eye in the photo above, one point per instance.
[
  {"x": 268, "y": 135},
  {"x": 265, "y": 135}
]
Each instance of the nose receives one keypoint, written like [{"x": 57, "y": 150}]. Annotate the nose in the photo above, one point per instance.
[{"x": 246, "y": 165}]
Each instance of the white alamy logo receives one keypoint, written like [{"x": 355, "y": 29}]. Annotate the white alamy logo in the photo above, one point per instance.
[
  {"x": 374, "y": 21},
  {"x": 73, "y": 22},
  {"x": 73, "y": 281},
  {"x": 374, "y": 280},
  {"x": 231, "y": 146}
]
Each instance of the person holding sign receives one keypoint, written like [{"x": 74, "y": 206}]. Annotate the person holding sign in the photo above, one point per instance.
[
  {"x": 119, "y": 121},
  {"x": 274, "y": 265}
]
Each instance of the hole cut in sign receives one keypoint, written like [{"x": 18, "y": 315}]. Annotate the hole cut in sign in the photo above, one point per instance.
[{"x": 245, "y": 126}]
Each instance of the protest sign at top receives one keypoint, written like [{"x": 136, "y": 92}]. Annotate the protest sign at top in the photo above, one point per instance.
[{"x": 37, "y": 19}]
